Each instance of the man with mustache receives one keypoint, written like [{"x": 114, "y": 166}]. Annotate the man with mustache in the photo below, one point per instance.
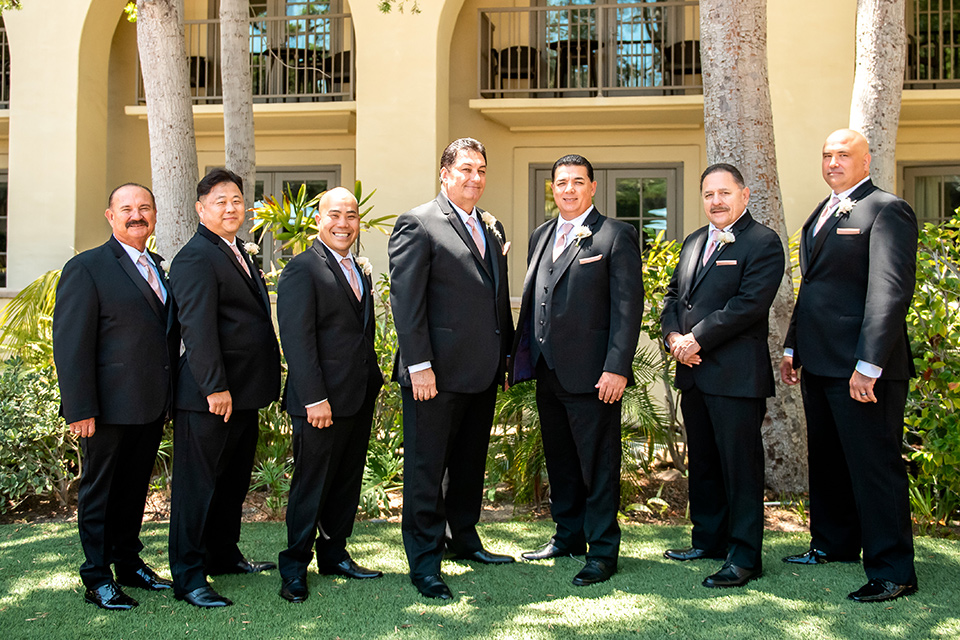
[
  {"x": 115, "y": 357},
  {"x": 714, "y": 322}
]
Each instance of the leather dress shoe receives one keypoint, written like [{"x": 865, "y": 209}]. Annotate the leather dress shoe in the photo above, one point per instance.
[
  {"x": 205, "y": 598},
  {"x": 879, "y": 590},
  {"x": 242, "y": 566},
  {"x": 143, "y": 578},
  {"x": 552, "y": 550},
  {"x": 593, "y": 572},
  {"x": 730, "y": 575},
  {"x": 110, "y": 596},
  {"x": 432, "y": 587},
  {"x": 350, "y": 569},
  {"x": 815, "y": 556},
  {"x": 482, "y": 556},
  {"x": 294, "y": 589},
  {"x": 691, "y": 553}
]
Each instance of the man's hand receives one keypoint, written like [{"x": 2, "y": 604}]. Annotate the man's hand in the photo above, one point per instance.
[
  {"x": 221, "y": 404},
  {"x": 685, "y": 349},
  {"x": 861, "y": 387},
  {"x": 84, "y": 428},
  {"x": 320, "y": 415},
  {"x": 424, "y": 384},
  {"x": 788, "y": 374},
  {"x": 611, "y": 386}
]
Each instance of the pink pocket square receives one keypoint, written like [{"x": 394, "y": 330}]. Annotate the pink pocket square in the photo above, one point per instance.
[
  {"x": 590, "y": 259},
  {"x": 847, "y": 232},
  {"x": 726, "y": 263}
]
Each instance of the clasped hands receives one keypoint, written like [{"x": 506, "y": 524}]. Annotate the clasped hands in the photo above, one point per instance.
[{"x": 684, "y": 348}]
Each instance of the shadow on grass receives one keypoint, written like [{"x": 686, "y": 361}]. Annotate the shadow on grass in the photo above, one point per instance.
[{"x": 650, "y": 597}]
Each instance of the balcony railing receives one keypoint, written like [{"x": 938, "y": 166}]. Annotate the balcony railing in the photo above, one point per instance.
[
  {"x": 4, "y": 69},
  {"x": 305, "y": 58},
  {"x": 933, "y": 44},
  {"x": 588, "y": 50}
]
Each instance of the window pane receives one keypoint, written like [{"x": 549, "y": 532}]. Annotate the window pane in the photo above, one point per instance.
[{"x": 951, "y": 196}]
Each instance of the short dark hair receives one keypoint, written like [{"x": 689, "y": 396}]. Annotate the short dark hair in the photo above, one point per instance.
[
  {"x": 572, "y": 159},
  {"x": 215, "y": 177},
  {"x": 723, "y": 166},
  {"x": 130, "y": 184},
  {"x": 449, "y": 155}
]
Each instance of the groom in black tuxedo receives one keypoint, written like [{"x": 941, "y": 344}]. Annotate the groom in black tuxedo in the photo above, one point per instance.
[
  {"x": 714, "y": 322},
  {"x": 858, "y": 254}
]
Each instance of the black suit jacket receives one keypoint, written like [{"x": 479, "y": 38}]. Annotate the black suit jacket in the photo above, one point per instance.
[
  {"x": 327, "y": 335},
  {"x": 726, "y": 305},
  {"x": 449, "y": 305},
  {"x": 858, "y": 279},
  {"x": 597, "y": 304},
  {"x": 225, "y": 324},
  {"x": 114, "y": 355}
]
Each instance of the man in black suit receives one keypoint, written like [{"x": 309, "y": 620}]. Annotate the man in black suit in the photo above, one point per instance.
[
  {"x": 714, "y": 322},
  {"x": 326, "y": 316},
  {"x": 230, "y": 368},
  {"x": 115, "y": 362},
  {"x": 451, "y": 307},
  {"x": 578, "y": 331},
  {"x": 858, "y": 254}
]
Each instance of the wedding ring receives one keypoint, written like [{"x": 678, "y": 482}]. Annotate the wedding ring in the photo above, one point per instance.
[{"x": 863, "y": 394}]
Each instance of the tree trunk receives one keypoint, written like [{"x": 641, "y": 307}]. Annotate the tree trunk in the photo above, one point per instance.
[
  {"x": 173, "y": 147},
  {"x": 238, "y": 97},
  {"x": 738, "y": 122},
  {"x": 878, "y": 83}
]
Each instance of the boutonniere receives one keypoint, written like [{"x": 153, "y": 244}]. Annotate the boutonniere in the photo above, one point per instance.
[
  {"x": 251, "y": 247},
  {"x": 491, "y": 223},
  {"x": 726, "y": 237},
  {"x": 581, "y": 232},
  {"x": 845, "y": 207},
  {"x": 165, "y": 265},
  {"x": 365, "y": 266}
]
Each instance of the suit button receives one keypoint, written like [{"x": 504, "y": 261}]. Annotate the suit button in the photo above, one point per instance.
[
  {"x": 541, "y": 322},
  {"x": 545, "y": 289},
  {"x": 541, "y": 339},
  {"x": 166, "y": 367},
  {"x": 551, "y": 270},
  {"x": 543, "y": 304},
  {"x": 806, "y": 280},
  {"x": 689, "y": 306},
  {"x": 497, "y": 331}
]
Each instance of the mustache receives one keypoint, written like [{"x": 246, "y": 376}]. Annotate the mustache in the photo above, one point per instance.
[{"x": 136, "y": 223}]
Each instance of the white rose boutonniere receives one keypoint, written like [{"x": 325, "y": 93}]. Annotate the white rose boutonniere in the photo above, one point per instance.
[
  {"x": 845, "y": 207},
  {"x": 491, "y": 223},
  {"x": 251, "y": 247},
  {"x": 165, "y": 265},
  {"x": 726, "y": 237},
  {"x": 581, "y": 232},
  {"x": 365, "y": 266}
]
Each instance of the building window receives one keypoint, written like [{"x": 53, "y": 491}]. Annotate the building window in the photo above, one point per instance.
[
  {"x": 933, "y": 44},
  {"x": 647, "y": 197},
  {"x": 3, "y": 229},
  {"x": 932, "y": 191}
]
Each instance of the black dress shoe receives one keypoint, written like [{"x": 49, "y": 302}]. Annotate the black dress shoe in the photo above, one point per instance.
[
  {"x": 484, "y": 557},
  {"x": 815, "y": 556},
  {"x": 243, "y": 566},
  {"x": 205, "y": 598},
  {"x": 143, "y": 578},
  {"x": 595, "y": 571},
  {"x": 294, "y": 589},
  {"x": 350, "y": 569},
  {"x": 879, "y": 590},
  {"x": 691, "y": 553},
  {"x": 432, "y": 587},
  {"x": 730, "y": 575},
  {"x": 552, "y": 550},
  {"x": 110, "y": 596}
]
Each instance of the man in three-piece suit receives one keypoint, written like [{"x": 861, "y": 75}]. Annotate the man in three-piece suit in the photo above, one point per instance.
[
  {"x": 115, "y": 360},
  {"x": 577, "y": 335},
  {"x": 858, "y": 253},
  {"x": 715, "y": 324},
  {"x": 229, "y": 369},
  {"x": 451, "y": 307},
  {"x": 326, "y": 316}
]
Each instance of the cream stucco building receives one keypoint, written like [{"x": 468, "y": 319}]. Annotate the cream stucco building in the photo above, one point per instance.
[{"x": 343, "y": 92}]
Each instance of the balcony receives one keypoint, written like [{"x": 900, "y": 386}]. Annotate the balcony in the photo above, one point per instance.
[
  {"x": 933, "y": 44},
  {"x": 303, "y": 58},
  {"x": 642, "y": 49}
]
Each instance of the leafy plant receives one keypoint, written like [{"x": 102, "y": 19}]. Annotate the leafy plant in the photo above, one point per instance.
[{"x": 26, "y": 323}]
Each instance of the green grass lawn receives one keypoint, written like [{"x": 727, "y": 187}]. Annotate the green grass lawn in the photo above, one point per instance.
[{"x": 41, "y": 595}]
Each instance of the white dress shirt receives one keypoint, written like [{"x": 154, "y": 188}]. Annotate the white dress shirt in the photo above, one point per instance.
[{"x": 135, "y": 254}]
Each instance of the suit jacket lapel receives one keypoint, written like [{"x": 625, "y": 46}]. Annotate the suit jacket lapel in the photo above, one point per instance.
[
  {"x": 861, "y": 192},
  {"x": 454, "y": 219},
  {"x": 334, "y": 265},
  {"x": 689, "y": 273},
  {"x": 742, "y": 223},
  {"x": 570, "y": 252},
  {"x": 367, "y": 300},
  {"x": 123, "y": 258},
  {"x": 495, "y": 249}
]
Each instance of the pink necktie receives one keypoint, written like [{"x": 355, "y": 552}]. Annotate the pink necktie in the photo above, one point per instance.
[
  {"x": 243, "y": 263},
  {"x": 351, "y": 276},
  {"x": 561, "y": 240},
  {"x": 475, "y": 232},
  {"x": 711, "y": 246},
  {"x": 151, "y": 276},
  {"x": 834, "y": 200}
]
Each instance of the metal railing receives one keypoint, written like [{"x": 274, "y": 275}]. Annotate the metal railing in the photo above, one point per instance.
[
  {"x": 587, "y": 50},
  {"x": 304, "y": 58},
  {"x": 4, "y": 69},
  {"x": 933, "y": 44}
]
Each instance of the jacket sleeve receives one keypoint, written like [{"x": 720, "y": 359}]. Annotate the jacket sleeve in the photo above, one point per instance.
[
  {"x": 670, "y": 317},
  {"x": 409, "y": 252},
  {"x": 297, "y": 317},
  {"x": 75, "y": 335},
  {"x": 626, "y": 302}
]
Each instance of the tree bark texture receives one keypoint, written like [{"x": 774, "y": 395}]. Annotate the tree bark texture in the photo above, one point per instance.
[
  {"x": 173, "y": 147},
  {"x": 238, "y": 98},
  {"x": 738, "y": 123},
  {"x": 878, "y": 83}
]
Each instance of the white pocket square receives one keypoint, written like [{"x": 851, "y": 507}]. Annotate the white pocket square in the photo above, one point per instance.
[
  {"x": 590, "y": 259},
  {"x": 726, "y": 263},
  {"x": 847, "y": 232}
]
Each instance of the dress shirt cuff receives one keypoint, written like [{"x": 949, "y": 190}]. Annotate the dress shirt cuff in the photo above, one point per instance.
[
  {"x": 787, "y": 352},
  {"x": 869, "y": 370},
  {"x": 314, "y": 404},
  {"x": 420, "y": 366}
]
